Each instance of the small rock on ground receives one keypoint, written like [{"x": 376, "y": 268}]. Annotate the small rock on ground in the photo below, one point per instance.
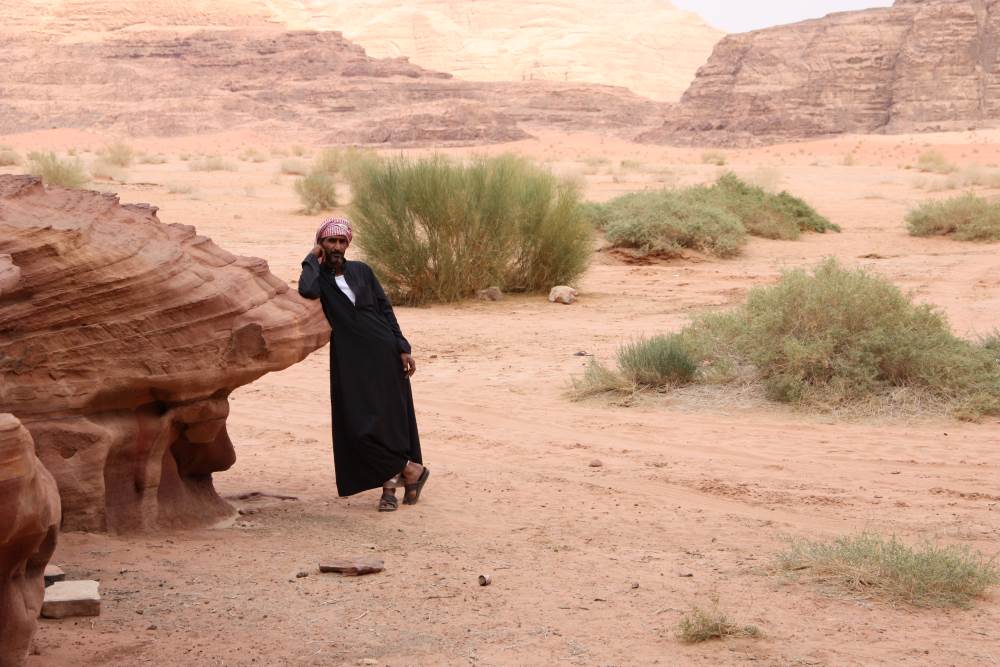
[
  {"x": 352, "y": 566},
  {"x": 72, "y": 598},
  {"x": 562, "y": 294}
]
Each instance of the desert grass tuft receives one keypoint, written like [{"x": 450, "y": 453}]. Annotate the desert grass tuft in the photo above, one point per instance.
[
  {"x": 9, "y": 157},
  {"x": 118, "y": 154},
  {"x": 701, "y": 625},
  {"x": 103, "y": 170},
  {"x": 69, "y": 173},
  {"x": 657, "y": 362},
  {"x": 317, "y": 191},
  {"x": 965, "y": 218},
  {"x": 294, "y": 167},
  {"x": 714, "y": 157},
  {"x": 212, "y": 163},
  {"x": 933, "y": 161},
  {"x": 436, "y": 230},
  {"x": 875, "y": 566}
]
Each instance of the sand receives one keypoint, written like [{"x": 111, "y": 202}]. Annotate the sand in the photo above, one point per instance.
[{"x": 590, "y": 565}]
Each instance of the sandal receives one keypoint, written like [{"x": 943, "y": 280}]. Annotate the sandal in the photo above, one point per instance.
[
  {"x": 388, "y": 504},
  {"x": 412, "y": 493}
]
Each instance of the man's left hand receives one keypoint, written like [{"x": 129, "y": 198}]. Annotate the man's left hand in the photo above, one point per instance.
[{"x": 409, "y": 365}]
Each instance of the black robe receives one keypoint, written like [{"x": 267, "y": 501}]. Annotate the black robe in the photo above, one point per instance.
[{"x": 374, "y": 426}]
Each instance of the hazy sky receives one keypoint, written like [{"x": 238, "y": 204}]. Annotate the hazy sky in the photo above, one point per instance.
[{"x": 743, "y": 15}]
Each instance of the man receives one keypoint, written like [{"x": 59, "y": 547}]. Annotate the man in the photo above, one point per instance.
[{"x": 375, "y": 441}]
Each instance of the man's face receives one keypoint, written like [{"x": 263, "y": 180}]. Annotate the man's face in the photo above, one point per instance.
[{"x": 334, "y": 247}]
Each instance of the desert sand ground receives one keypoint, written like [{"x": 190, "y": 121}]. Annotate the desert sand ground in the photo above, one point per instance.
[{"x": 591, "y": 565}]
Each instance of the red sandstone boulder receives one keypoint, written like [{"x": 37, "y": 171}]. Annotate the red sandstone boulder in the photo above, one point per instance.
[
  {"x": 29, "y": 523},
  {"x": 120, "y": 342}
]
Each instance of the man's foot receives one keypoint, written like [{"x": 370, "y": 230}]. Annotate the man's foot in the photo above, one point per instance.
[
  {"x": 412, "y": 493},
  {"x": 388, "y": 502}
]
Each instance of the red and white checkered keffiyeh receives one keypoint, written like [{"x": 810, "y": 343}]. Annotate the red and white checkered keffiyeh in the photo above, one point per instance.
[{"x": 335, "y": 227}]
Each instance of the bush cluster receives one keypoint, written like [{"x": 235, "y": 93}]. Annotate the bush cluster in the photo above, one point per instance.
[
  {"x": 831, "y": 338},
  {"x": 437, "y": 231},
  {"x": 714, "y": 219},
  {"x": 966, "y": 218},
  {"x": 69, "y": 173}
]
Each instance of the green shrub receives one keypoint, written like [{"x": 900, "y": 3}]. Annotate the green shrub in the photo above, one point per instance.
[
  {"x": 774, "y": 216},
  {"x": 53, "y": 171},
  {"x": 966, "y": 218},
  {"x": 842, "y": 336},
  {"x": 700, "y": 625},
  {"x": 834, "y": 338},
  {"x": 317, "y": 192},
  {"x": 9, "y": 157},
  {"x": 713, "y": 219},
  {"x": 656, "y": 362},
  {"x": 872, "y": 565},
  {"x": 934, "y": 161},
  {"x": 663, "y": 223},
  {"x": 211, "y": 163},
  {"x": 714, "y": 157},
  {"x": 435, "y": 230},
  {"x": 118, "y": 154}
]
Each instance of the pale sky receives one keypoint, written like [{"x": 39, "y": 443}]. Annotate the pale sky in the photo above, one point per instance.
[{"x": 744, "y": 15}]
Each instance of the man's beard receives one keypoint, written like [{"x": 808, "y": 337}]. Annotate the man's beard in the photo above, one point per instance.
[{"x": 332, "y": 260}]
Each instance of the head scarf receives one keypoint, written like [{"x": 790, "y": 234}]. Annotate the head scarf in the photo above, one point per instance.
[{"x": 335, "y": 227}]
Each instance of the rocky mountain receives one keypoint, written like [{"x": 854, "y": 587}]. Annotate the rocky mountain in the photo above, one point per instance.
[
  {"x": 648, "y": 46},
  {"x": 306, "y": 85},
  {"x": 919, "y": 65}
]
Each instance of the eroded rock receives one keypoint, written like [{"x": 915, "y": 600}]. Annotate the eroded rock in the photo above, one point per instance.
[
  {"x": 120, "y": 346},
  {"x": 65, "y": 599},
  {"x": 29, "y": 525},
  {"x": 918, "y": 65}
]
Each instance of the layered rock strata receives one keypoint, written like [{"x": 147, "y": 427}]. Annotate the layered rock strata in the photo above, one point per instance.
[
  {"x": 301, "y": 86},
  {"x": 119, "y": 344},
  {"x": 920, "y": 65},
  {"x": 29, "y": 525}
]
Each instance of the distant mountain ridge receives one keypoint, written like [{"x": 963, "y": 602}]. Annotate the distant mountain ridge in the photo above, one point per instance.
[{"x": 647, "y": 46}]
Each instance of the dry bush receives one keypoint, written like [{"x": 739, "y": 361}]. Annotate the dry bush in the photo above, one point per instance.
[
  {"x": 317, "y": 192},
  {"x": 53, "y": 171},
  {"x": 103, "y": 170},
  {"x": 437, "y": 231},
  {"x": 118, "y": 154},
  {"x": 874, "y": 566},
  {"x": 252, "y": 155},
  {"x": 714, "y": 157},
  {"x": 966, "y": 218},
  {"x": 700, "y": 625},
  {"x": 9, "y": 157},
  {"x": 294, "y": 167},
  {"x": 933, "y": 161},
  {"x": 152, "y": 159},
  {"x": 180, "y": 188},
  {"x": 212, "y": 163}
]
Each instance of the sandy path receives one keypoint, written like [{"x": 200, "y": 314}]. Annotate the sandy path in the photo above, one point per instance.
[{"x": 692, "y": 501}]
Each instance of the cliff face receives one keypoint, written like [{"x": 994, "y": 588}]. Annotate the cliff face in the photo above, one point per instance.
[
  {"x": 916, "y": 66},
  {"x": 308, "y": 85},
  {"x": 121, "y": 339}
]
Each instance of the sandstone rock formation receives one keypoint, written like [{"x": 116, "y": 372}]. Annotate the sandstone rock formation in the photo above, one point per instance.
[
  {"x": 648, "y": 46},
  {"x": 29, "y": 524},
  {"x": 119, "y": 345},
  {"x": 303, "y": 86},
  {"x": 918, "y": 65}
]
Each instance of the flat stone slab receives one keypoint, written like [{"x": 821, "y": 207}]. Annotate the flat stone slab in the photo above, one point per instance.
[
  {"x": 53, "y": 573},
  {"x": 353, "y": 566},
  {"x": 64, "y": 599}
]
